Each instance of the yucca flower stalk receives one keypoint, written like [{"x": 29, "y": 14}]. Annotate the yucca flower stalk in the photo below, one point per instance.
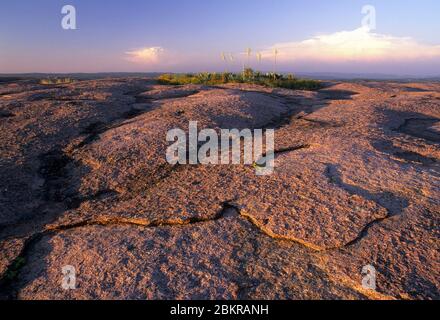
[
  {"x": 276, "y": 55},
  {"x": 249, "y": 52},
  {"x": 231, "y": 60},
  {"x": 225, "y": 60},
  {"x": 259, "y": 58}
]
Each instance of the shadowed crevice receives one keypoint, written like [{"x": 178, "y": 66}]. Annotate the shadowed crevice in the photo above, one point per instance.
[
  {"x": 6, "y": 114},
  {"x": 401, "y": 154},
  {"x": 420, "y": 128}
]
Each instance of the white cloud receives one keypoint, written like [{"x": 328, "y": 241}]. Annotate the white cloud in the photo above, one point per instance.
[
  {"x": 357, "y": 45},
  {"x": 148, "y": 55}
]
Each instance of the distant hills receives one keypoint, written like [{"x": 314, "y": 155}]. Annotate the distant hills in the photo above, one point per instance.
[
  {"x": 312, "y": 75},
  {"x": 98, "y": 75},
  {"x": 363, "y": 76}
]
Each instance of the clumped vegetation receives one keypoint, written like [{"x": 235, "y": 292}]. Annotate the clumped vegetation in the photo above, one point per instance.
[
  {"x": 15, "y": 267},
  {"x": 50, "y": 81},
  {"x": 247, "y": 76}
]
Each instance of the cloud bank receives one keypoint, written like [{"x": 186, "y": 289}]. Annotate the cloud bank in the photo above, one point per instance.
[
  {"x": 360, "y": 45},
  {"x": 147, "y": 55}
]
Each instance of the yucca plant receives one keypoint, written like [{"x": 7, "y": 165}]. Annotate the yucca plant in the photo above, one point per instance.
[
  {"x": 226, "y": 77},
  {"x": 248, "y": 53},
  {"x": 203, "y": 76},
  {"x": 248, "y": 74},
  {"x": 225, "y": 60}
]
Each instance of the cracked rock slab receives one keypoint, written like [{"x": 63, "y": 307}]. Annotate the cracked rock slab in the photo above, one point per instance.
[
  {"x": 123, "y": 262},
  {"x": 86, "y": 183}
]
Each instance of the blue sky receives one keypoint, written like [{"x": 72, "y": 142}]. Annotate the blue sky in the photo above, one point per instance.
[{"x": 189, "y": 35}]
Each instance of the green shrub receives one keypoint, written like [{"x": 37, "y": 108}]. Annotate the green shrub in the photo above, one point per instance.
[
  {"x": 248, "y": 75},
  {"x": 14, "y": 268}
]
